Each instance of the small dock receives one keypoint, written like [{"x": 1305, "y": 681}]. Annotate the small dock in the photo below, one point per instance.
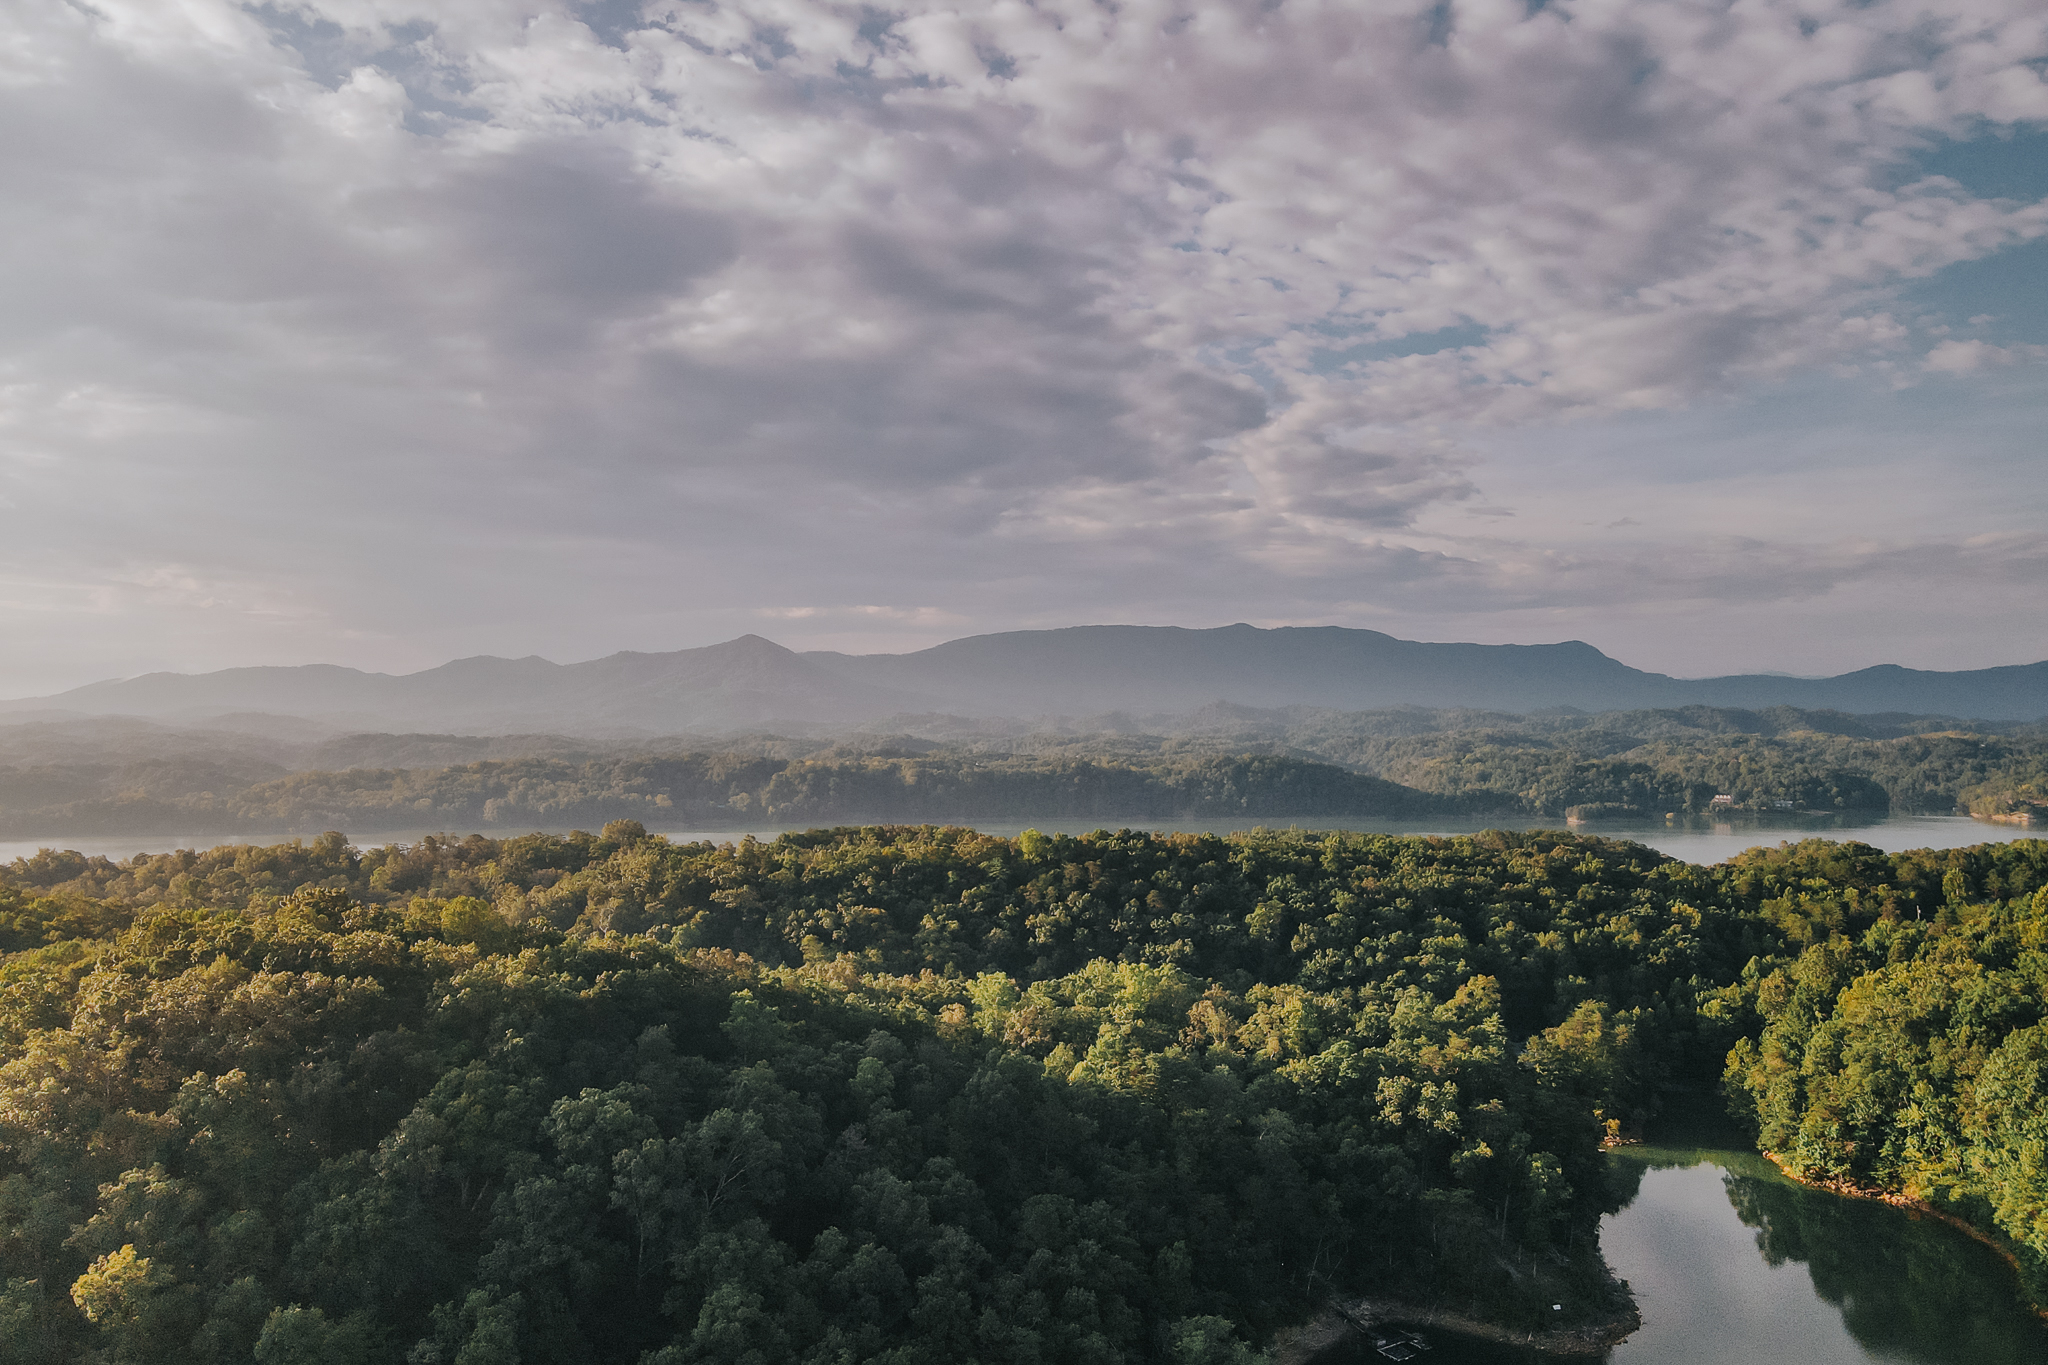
[{"x": 1394, "y": 1343}]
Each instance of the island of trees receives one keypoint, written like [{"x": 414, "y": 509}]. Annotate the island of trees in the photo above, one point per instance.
[{"x": 915, "y": 1094}]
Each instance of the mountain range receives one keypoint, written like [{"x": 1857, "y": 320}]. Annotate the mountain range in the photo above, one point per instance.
[{"x": 750, "y": 683}]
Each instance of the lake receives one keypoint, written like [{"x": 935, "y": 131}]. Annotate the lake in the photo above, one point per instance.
[
  {"x": 1733, "y": 1264},
  {"x": 1701, "y": 841}
]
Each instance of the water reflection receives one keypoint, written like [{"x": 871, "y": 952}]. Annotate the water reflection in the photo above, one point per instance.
[
  {"x": 1732, "y": 1264},
  {"x": 1907, "y": 1286}
]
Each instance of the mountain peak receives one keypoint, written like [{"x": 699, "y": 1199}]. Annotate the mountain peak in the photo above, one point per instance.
[{"x": 1078, "y": 671}]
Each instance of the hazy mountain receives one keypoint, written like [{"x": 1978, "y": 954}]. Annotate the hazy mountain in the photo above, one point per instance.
[
  {"x": 1085, "y": 670},
  {"x": 1088, "y": 669},
  {"x": 745, "y": 682},
  {"x": 2015, "y": 692},
  {"x": 1096, "y": 669}
]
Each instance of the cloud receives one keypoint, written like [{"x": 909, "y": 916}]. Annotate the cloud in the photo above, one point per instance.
[
  {"x": 707, "y": 303},
  {"x": 1958, "y": 356}
]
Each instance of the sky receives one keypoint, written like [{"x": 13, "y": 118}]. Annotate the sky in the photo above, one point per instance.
[{"x": 381, "y": 332}]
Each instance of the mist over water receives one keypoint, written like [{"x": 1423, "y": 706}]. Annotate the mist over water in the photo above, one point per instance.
[{"x": 1699, "y": 842}]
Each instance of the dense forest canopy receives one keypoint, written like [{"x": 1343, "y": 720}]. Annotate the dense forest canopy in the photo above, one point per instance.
[
  {"x": 910, "y": 1094},
  {"x": 114, "y": 778},
  {"x": 1911, "y": 1054}
]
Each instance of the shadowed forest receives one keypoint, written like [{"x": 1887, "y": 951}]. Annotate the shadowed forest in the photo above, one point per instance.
[{"x": 918, "y": 1094}]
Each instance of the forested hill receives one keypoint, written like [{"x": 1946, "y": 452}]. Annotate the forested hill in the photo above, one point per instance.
[
  {"x": 706, "y": 791},
  {"x": 921, "y": 1095},
  {"x": 106, "y": 778}
]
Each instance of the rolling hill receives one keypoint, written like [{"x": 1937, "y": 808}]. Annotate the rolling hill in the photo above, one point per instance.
[{"x": 751, "y": 683}]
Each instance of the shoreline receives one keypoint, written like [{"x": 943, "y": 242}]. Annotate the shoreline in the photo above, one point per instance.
[
  {"x": 1848, "y": 1189},
  {"x": 1340, "y": 1322}
]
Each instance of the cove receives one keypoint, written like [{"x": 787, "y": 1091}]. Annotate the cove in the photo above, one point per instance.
[{"x": 1733, "y": 1264}]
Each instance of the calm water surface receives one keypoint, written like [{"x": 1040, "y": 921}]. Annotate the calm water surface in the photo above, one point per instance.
[
  {"x": 1732, "y": 1264},
  {"x": 1700, "y": 842}
]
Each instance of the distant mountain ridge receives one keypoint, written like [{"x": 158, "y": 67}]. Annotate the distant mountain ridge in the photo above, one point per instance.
[{"x": 751, "y": 682}]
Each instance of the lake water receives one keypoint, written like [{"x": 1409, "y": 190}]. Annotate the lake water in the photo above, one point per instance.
[
  {"x": 1701, "y": 841},
  {"x": 1732, "y": 1264}
]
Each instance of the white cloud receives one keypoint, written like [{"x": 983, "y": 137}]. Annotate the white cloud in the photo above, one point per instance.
[
  {"x": 1957, "y": 356},
  {"x": 735, "y": 297}
]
